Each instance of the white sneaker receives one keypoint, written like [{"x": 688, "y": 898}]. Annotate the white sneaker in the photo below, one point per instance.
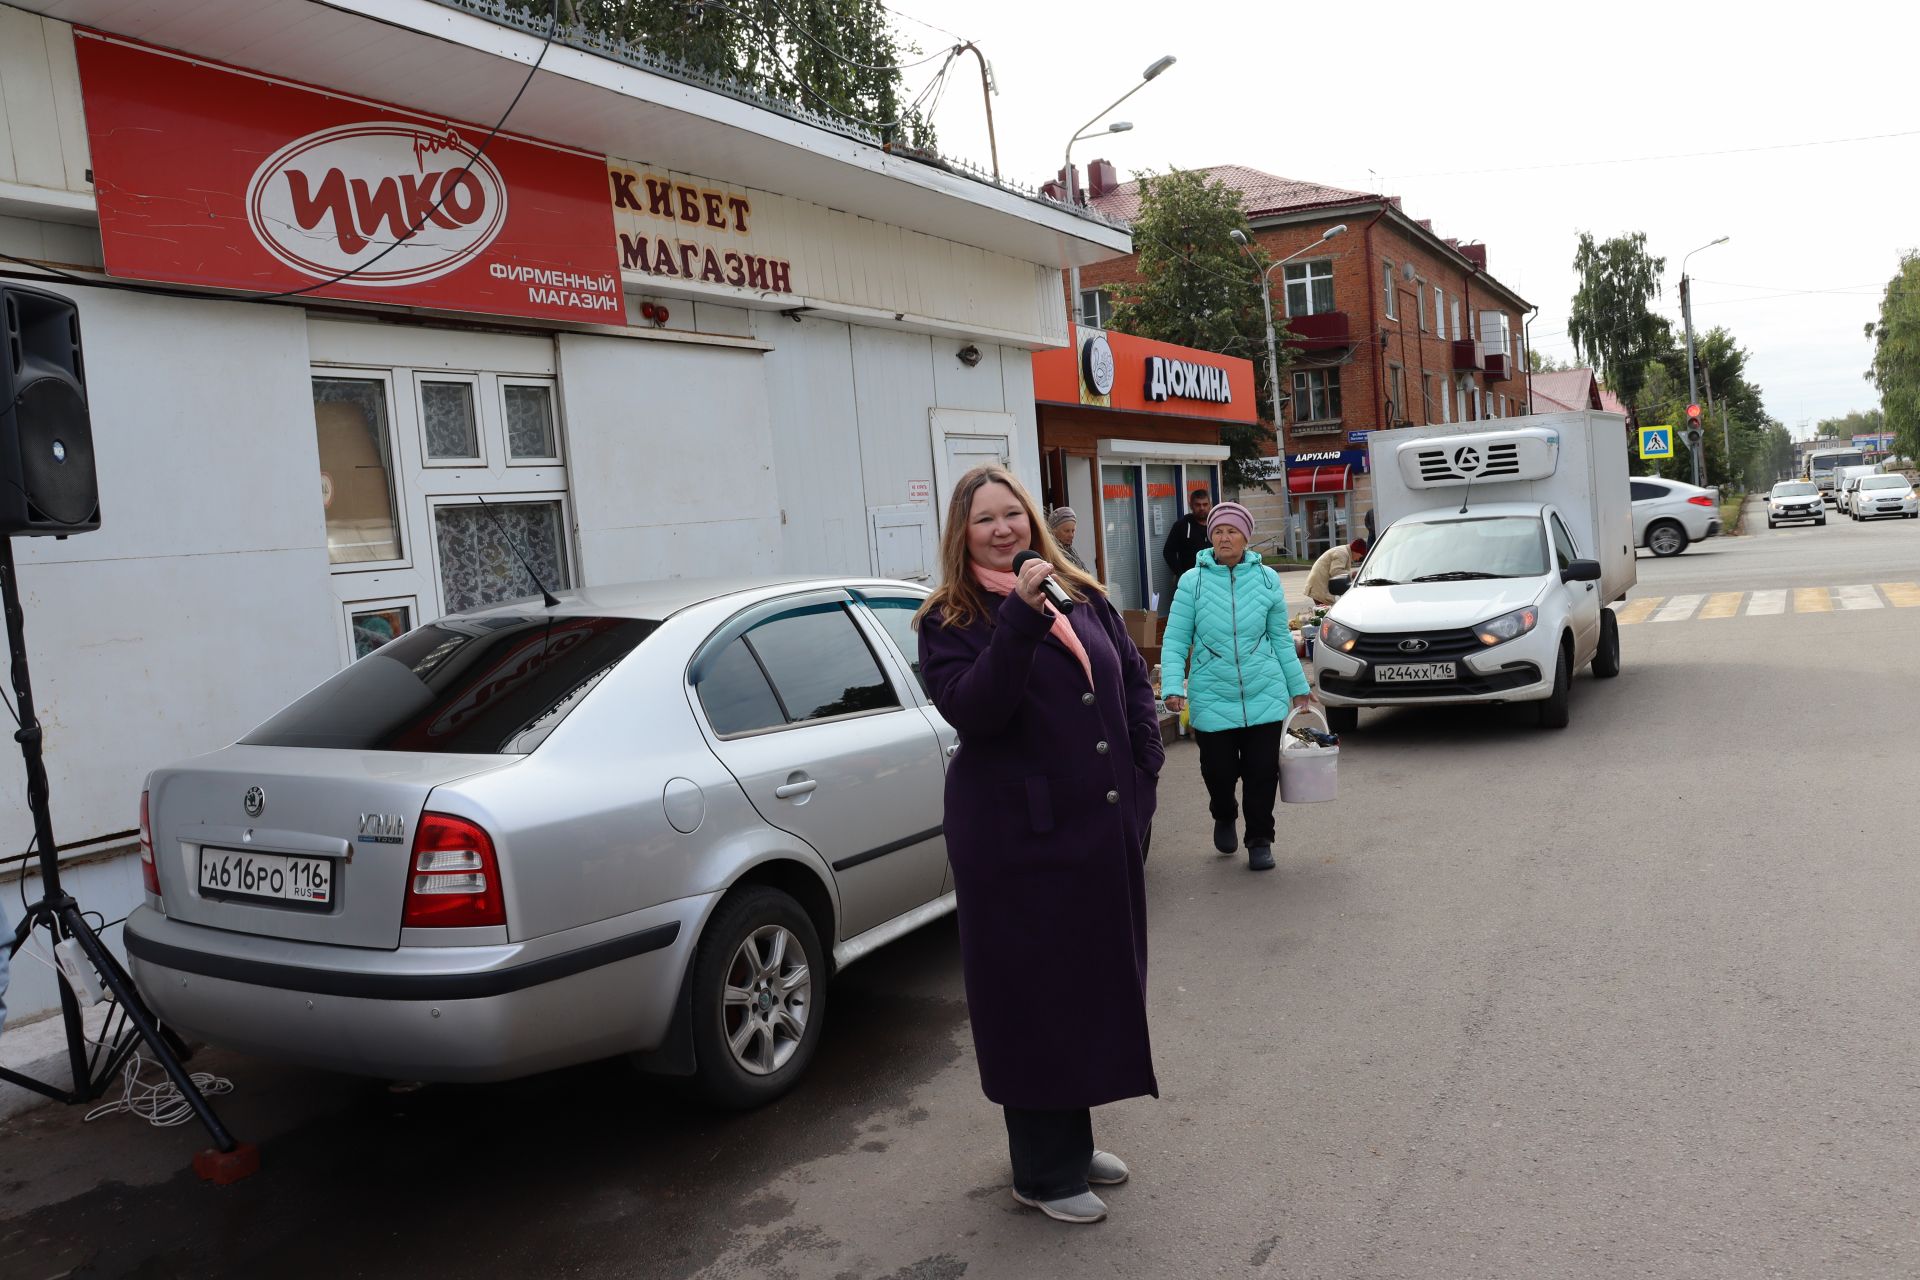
[
  {"x": 1107, "y": 1170},
  {"x": 1085, "y": 1207}
]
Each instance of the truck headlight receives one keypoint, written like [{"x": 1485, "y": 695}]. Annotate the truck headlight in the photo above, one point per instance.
[
  {"x": 1341, "y": 638},
  {"x": 1508, "y": 626}
]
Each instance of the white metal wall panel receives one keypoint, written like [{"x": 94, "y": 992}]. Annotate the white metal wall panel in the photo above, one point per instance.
[
  {"x": 201, "y": 606},
  {"x": 893, "y": 379},
  {"x": 816, "y": 446},
  {"x": 43, "y": 137},
  {"x": 672, "y": 459}
]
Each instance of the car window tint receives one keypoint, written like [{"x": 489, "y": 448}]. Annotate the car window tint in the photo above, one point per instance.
[
  {"x": 489, "y": 685},
  {"x": 735, "y": 694},
  {"x": 820, "y": 664},
  {"x": 1643, "y": 492},
  {"x": 896, "y": 615},
  {"x": 1563, "y": 544}
]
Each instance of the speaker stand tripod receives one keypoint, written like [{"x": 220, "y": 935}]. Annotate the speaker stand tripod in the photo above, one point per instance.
[{"x": 59, "y": 914}]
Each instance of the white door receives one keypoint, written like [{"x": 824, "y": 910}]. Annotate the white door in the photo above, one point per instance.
[
  {"x": 1585, "y": 595},
  {"x": 963, "y": 440}
]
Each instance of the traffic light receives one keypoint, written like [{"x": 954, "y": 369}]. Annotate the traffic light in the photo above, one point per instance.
[
  {"x": 1693, "y": 439},
  {"x": 1693, "y": 417}
]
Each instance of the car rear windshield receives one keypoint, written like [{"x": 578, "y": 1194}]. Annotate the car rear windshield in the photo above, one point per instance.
[
  {"x": 494, "y": 685},
  {"x": 1797, "y": 489},
  {"x": 1486, "y": 547},
  {"x": 1884, "y": 482}
]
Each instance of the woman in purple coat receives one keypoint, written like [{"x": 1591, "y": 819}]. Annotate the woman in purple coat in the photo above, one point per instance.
[{"x": 1048, "y": 804}]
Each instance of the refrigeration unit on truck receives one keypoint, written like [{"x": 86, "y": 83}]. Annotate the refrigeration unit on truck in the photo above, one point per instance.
[{"x": 1500, "y": 550}]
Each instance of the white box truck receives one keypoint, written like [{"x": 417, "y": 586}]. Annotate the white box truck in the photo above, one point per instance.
[{"x": 1501, "y": 545}]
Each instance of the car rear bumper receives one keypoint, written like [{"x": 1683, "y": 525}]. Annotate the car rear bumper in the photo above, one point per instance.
[{"x": 422, "y": 1013}]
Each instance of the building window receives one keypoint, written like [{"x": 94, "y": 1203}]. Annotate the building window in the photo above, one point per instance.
[
  {"x": 1426, "y": 398},
  {"x": 375, "y": 623},
  {"x": 1309, "y": 287},
  {"x": 531, "y": 436},
  {"x": 1420, "y": 304},
  {"x": 481, "y": 549},
  {"x": 1096, "y": 308},
  {"x": 1316, "y": 395},
  {"x": 449, "y": 421},
  {"x": 1439, "y": 316},
  {"x": 1386, "y": 287},
  {"x": 1396, "y": 394},
  {"x": 1454, "y": 313},
  {"x": 356, "y": 470}
]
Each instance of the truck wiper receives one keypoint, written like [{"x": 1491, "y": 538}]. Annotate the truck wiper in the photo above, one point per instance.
[
  {"x": 1379, "y": 582},
  {"x": 1459, "y": 575}
]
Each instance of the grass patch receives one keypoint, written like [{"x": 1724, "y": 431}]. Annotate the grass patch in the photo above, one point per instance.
[{"x": 1731, "y": 510}]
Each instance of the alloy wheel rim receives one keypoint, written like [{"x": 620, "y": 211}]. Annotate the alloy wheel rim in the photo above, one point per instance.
[
  {"x": 1664, "y": 542},
  {"x": 767, "y": 1000}
]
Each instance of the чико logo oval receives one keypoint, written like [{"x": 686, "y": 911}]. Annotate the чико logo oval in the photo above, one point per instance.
[{"x": 340, "y": 198}]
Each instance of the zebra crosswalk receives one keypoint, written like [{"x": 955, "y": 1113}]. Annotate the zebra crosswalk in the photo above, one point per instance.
[{"x": 1719, "y": 605}]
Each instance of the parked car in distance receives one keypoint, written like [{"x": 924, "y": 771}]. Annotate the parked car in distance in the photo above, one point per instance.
[
  {"x": 1875, "y": 497},
  {"x": 1669, "y": 515},
  {"x": 652, "y": 820},
  {"x": 1794, "y": 500},
  {"x": 1845, "y": 481}
]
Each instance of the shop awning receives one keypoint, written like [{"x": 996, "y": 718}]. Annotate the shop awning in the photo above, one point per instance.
[{"x": 1331, "y": 479}]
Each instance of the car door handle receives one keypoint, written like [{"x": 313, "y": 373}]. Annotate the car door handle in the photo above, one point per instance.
[{"x": 787, "y": 791}]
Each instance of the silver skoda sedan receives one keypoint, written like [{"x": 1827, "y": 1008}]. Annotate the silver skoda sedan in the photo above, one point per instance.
[{"x": 652, "y": 820}]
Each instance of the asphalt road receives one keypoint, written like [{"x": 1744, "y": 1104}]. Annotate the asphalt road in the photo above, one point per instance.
[{"x": 1635, "y": 998}]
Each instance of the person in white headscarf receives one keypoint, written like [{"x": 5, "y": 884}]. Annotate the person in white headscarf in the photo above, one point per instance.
[{"x": 1064, "y": 522}]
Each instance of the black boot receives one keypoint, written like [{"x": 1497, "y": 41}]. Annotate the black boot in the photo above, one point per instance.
[
  {"x": 1226, "y": 837},
  {"x": 1259, "y": 857}
]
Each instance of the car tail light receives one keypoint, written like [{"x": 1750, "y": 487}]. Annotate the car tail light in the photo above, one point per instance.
[
  {"x": 454, "y": 879},
  {"x": 149, "y": 873},
  {"x": 1700, "y": 500}
]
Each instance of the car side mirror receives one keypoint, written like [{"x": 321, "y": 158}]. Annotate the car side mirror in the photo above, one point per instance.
[
  {"x": 1581, "y": 571},
  {"x": 1338, "y": 586}
]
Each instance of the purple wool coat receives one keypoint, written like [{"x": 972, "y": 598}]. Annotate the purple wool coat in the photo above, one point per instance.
[{"x": 1048, "y": 803}]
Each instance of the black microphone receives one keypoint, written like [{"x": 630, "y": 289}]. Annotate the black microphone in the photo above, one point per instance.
[{"x": 1048, "y": 587}]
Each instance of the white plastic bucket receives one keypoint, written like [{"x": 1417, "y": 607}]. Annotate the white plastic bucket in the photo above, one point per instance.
[{"x": 1308, "y": 772}]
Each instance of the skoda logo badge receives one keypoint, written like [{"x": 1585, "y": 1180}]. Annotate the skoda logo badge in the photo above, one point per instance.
[
  {"x": 256, "y": 801},
  {"x": 1413, "y": 646}
]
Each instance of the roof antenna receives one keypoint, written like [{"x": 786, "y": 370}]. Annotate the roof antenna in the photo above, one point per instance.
[
  {"x": 1466, "y": 498},
  {"x": 551, "y": 600}
]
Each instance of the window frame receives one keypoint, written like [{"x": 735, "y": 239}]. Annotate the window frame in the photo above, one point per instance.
[
  {"x": 1330, "y": 395},
  {"x": 1556, "y": 531},
  {"x": 867, "y": 612},
  {"x": 1397, "y": 393},
  {"x": 905, "y": 693},
  {"x": 435, "y": 501},
  {"x": 1306, "y": 281},
  {"x": 477, "y": 461},
  {"x": 396, "y": 462},
  {"x": 1393, "y": 294},
  {"x": 558, "y": 458},
  {"x": 411, "y": 603},
  {"x": 1102, "y": 315}
]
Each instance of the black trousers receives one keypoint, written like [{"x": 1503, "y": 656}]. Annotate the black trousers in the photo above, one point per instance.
[
  {"x": 1051, "y": 1151},
  {"x": 1251, "y": 758}
]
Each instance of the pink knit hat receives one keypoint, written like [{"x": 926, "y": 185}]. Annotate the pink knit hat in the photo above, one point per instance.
[{"x": 1234, "y": 514}]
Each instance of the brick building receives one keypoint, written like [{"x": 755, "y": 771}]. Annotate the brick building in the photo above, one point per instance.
[{"x": 1392, "y": 325}]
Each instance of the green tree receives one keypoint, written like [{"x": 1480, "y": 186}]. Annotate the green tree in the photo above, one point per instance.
[
  {"x": 1896, "y": 356},
  {"x": 1541, "y": 362},
  {"x": 1199, "y": 289},
  {"x": 837, "y": 57},
  {"x": 1860, "y": 422},
  {"x": 1611, "y": 324}
]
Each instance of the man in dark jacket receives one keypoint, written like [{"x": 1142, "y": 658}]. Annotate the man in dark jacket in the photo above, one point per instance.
[{"x": 1187, "y": 540}]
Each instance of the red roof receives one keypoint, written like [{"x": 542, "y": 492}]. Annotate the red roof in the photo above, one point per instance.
[
  {"x": 1261, "y": 194},
  {"x": 1566, "y": 389}
]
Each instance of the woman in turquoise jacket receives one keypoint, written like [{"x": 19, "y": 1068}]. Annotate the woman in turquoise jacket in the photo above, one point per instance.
[{"x": 1229, "y": 616}]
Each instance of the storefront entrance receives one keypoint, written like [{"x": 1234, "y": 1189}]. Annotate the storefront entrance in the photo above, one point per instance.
[{"x": 1326, "y": 522}]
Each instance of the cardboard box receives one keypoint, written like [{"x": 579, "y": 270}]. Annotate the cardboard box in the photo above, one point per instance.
[{"x": 1143, "y": 625}]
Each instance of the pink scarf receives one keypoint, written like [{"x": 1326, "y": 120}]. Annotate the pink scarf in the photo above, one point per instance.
[{"x": 1002, "y": 583}]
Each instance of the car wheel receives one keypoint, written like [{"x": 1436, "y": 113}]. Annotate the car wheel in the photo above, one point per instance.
[
  {"x": 1772, "y": 525},
  {"x": 1606, "y": 658},
  {"x": 1555, "y": 711},
  {"x": 1821, "y": 523},
  {"x": 1343, "y": 719},
  {"x": 759, "y": 979},
  {"x": 1666, "y": 539}
]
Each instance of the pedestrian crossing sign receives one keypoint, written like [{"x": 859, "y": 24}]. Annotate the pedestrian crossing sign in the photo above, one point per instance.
[{"x": 1656, "y": 442}]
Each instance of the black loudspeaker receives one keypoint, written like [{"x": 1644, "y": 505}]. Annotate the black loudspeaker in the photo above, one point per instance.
[{"x": 47, "y": 483}]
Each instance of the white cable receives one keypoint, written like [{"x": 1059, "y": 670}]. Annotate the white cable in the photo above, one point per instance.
[{"x": 160, "y": 1104}]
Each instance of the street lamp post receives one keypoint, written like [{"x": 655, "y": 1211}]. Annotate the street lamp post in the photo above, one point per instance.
[
  {"x": 1693, "y": 385},
  {"x": 1085, "y": 132},
  {"x": 1273, "y": 362}
]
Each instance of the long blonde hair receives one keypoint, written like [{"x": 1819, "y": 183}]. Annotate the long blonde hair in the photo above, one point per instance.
[{"x": 960, "y": 600}]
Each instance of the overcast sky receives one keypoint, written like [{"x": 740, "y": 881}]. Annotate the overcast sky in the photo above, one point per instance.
[{"x": 1479, "y": 115}]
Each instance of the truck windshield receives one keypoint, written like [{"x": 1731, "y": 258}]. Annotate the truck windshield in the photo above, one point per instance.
[
  {"x": 1795, "y": 489},
  {"x": 1458, "y": 550},
  {"x": 492, "y": 685}
]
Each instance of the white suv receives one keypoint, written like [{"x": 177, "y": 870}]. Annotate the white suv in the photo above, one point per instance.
[{"x": 1669, "y": 515}]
